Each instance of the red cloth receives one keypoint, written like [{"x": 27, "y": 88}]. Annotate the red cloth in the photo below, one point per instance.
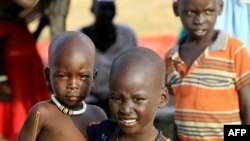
[{"x": 24, "y": 69}]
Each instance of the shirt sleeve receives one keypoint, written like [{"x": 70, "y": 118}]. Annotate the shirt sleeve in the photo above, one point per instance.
[
  {"x": 101, "y": 131},
  {"x": 242, "y": 66}
]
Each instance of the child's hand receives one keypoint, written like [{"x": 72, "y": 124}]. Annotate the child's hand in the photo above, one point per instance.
[{"x": 5, "y": 91}]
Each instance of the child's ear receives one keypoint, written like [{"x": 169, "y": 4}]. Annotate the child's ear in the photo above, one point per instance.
[
  {"x": 164, "y": 97},
  {"x": 94, "y": 76},
  {"x": 175, "y": 8},
  {"x": 221, "y": 5},
  {"x": 47, "y": 74}
]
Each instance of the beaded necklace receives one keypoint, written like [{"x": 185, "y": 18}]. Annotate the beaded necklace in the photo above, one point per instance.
[{"x": 66, "y": 110}]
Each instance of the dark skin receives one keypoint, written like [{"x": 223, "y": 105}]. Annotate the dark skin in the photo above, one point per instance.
[
  {"x": 198, "y": 17},
  {"x": 102, "y": 32},
  {"x": 70, "y": 75},
  {"x": 134, "y": 99}
]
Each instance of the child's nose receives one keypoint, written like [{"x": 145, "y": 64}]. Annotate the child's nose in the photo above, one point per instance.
[
  {"x": 73, "y": 83},
  {"x": 199, "y": 19},
  {"x": 126, "y": 107}
]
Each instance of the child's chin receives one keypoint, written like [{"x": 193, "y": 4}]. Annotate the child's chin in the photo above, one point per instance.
[{"x": 131, "y": 130}]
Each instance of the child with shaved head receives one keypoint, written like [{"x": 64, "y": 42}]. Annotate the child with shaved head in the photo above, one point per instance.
[
  {"x": 70, "y": 76},
  {"x": 137, "y": 90}
]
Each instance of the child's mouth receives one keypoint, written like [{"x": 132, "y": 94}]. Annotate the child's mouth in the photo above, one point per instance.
[
  {"x": 128, "y": 122},
  {"x": 73, "y": 98},
  {"x": 200, "y": 32}
]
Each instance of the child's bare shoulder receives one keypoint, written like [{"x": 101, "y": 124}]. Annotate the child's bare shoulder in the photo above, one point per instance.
[{"x": 43, "y": 107}]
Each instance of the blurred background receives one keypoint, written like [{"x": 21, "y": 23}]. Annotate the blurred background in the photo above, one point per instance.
[
  {"x": 153, "y": 22},
  {"x": 147, "y": 17}
]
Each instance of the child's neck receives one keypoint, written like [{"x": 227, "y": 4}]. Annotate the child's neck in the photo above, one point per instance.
[
  {"x": 207, "y": 39},
  {"x": 80, "y": 108},
  {"x": 76, "y": 107},
  {"x": 154, "y": 135}
]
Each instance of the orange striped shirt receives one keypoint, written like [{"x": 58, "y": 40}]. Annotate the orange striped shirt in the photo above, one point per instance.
[{"x": 206, "y": 95}]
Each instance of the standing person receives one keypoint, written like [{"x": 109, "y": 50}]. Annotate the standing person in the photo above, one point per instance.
[
  {"x": 134, "y": 98},
  {"x": 235, "y": 19},
  {"x": 208, "y": 74},
  {"x": 70, "y": 76},
  {"x": 110, "y": 40},
  {"x": 21, "y": 69}
]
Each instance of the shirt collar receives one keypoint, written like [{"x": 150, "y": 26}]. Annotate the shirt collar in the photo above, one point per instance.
[{"x": 219, "y": 44}]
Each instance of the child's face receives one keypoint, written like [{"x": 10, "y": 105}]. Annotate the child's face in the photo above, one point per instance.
[
  {"x": 198, "y": 16},
  {"x": 135, "y": 95},
  {"x": 71, "y": 74}
]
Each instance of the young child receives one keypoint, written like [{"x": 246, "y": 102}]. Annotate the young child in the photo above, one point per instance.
[
  {"x": 137, "y": 90},
  {"x": 209, "y": 73},
  {"x": 70, "y": 76}
]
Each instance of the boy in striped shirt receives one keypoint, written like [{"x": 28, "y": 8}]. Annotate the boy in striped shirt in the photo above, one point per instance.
[{"x": 208, "y": 72}]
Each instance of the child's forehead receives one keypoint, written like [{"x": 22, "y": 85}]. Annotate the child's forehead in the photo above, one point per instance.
[
  {"x": 72, "y": 53},
  {"x": 72, "y": 49},
  {"x": 135, "y": 76}
]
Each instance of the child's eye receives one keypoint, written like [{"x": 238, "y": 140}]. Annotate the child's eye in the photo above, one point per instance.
[
  {"x": 62, "y": 76},
  {"x": 209, "y": 12},
  {"x": 115, "y": 98},
  {"x": 83, "y": 77},
  {"x": 139, "y": 99},
  {"x": 189, "y": 12}
]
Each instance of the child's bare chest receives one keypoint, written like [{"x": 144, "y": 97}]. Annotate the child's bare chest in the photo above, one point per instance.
[{"x": 64, "y": 129}]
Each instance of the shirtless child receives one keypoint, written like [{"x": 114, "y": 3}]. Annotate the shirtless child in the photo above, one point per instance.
[{"x": 70, "y": 76}]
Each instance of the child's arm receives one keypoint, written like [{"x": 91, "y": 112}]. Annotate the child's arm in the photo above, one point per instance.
[
  {"x": 244, "y": 100},
  {"x": 31, "y": 127}
]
